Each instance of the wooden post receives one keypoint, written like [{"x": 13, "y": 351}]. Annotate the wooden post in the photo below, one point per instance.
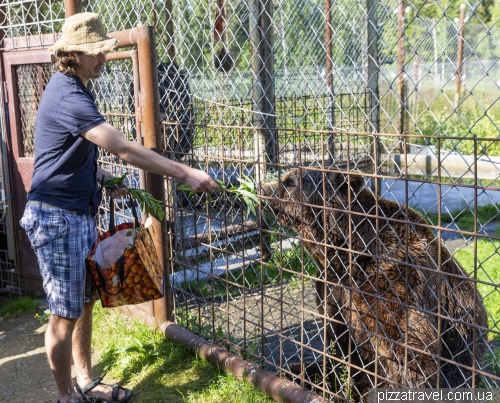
[
  {"x": 460, "y": 53},
  {"x": 401, "y": 82}
]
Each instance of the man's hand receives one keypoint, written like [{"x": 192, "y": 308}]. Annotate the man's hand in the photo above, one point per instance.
[
  {"x": 117, "y": 192},
  {"x": 199, "y": 181}
]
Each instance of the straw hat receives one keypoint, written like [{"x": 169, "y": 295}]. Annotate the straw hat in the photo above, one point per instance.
[{"x": 84, "y": 32}]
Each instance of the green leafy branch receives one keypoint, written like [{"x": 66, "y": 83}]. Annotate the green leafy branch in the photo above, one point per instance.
[
  {"x": 147, "y": 202},
  {"x": 246, "y": 192}
]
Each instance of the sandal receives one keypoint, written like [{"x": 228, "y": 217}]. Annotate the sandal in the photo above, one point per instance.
[{"x": 114, "y": 394}]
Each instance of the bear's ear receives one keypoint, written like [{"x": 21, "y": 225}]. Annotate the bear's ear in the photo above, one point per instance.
[{"x": 339, "y": 181}]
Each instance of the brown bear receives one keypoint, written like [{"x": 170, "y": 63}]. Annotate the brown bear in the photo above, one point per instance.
[{"x": 400, "y": 311}]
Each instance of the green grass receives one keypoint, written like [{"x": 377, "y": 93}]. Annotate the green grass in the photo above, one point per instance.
[
  {"x": 18, "y": 307},
  {"x": 159, "y": 370},
  {"x": 488, "y": 270},
  {"x": 492, "y": 360},
  {"x": 465, "y": 218}
]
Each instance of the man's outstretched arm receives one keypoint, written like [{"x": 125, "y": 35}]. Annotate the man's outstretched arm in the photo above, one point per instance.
[{"x": 110, "y": 139}]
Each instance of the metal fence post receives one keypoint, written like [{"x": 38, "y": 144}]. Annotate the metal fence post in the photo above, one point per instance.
[
  {"x": 151, "y": 130},
  {"x": 373, "y": 65},
  {"x": 72, "y": 7},
  {"x": 373, "y": 70},
  {"x": 401, "y": 78},
  {"x": 262, "y": 68},
  {"x": 329, "y": 78},
  {"x": 268, "y": 80}
]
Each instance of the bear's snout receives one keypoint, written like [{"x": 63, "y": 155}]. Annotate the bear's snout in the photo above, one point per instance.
[{"x": 270, "y": 191}]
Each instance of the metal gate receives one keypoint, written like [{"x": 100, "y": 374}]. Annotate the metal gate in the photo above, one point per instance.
[{"x": 22, "y": 70}]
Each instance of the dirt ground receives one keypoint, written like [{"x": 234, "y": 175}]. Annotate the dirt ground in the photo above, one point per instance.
[{"x": 25, "y": 375}]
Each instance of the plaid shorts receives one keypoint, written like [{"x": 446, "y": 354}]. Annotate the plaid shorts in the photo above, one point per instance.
[{"x": 62, "y": 239}]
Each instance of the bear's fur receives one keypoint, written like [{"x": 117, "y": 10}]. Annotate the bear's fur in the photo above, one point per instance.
[{"x": 385, "y": 302}]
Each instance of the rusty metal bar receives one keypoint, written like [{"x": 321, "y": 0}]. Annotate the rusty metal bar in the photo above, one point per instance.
[
  {"x": 72, "y": 7},
  {"x": 126, "y": 38},
  {"x": 149, "y": 97},
  {"x": 138, "y": 113},
  {"x": 127, "y": 54},
  {"x": 279, "y": 389},
  {"x": 151, "y": 130},
  {"x": 460, "y": 53}
]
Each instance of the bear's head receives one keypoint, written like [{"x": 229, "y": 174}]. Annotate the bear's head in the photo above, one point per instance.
[{"x": 295, "y": 198}]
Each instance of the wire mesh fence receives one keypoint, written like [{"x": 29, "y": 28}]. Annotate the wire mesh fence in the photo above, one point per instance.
[{"x": 371, "y": 131}]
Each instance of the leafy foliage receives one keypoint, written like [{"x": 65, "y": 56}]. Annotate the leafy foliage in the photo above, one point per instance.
[
  {"x": 147, "y": 202},
  {"x": 45, "y": 317},
  {"x": 472, "y": 123},
  {"x": 246, "y": 192}
]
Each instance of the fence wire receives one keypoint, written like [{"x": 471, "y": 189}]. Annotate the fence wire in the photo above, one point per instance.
[{"x": 371, "y": 131}]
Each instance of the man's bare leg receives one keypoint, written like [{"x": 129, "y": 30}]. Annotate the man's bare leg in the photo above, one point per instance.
[
  {"x": 58, "y": 345},
  {"x": 82, "y": 339}
]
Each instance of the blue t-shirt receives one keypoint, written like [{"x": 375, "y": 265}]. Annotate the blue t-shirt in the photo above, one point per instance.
[{"x": 65, "y": 162}]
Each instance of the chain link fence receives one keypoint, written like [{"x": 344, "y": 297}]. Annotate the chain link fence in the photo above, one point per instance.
[{"x": 375, "y": 263}]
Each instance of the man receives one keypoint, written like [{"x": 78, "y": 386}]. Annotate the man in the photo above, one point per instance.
[{"x": 64, "y": 198}]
